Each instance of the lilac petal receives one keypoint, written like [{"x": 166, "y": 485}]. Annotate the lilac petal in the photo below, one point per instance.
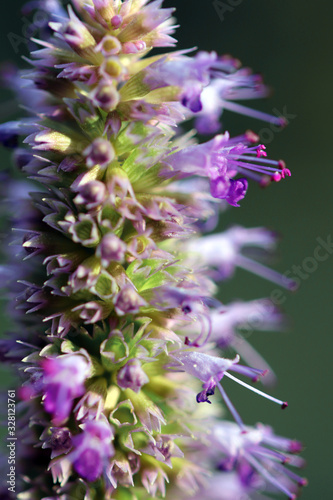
[
  {"x": 203, "y": 366},
  {"x": 89, "y": 465},
  {"x": 237, "y": 191}
]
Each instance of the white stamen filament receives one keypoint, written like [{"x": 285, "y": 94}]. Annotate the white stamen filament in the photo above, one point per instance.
[{"x": 257, "y": 391}]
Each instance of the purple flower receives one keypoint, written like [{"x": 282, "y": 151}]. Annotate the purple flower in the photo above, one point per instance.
[
  {"x": 230, "y": 190},
  {"x": 261, "y": 451},
  {"x": 63, "y": 379},
  {"x": 191, "y": 75},
  {"x": 92, "y": 449},
  {"x": 232, "y": 485},
  {"x": 225, "y": 252},
  {"x": 116, "y": 20},
  {"x": 211, "y": 369},
  {"x": 258, "y": 314},
  {"x": 231, "y": 324},
  {"x": 220, "y": 160},
  {"x": 52, "y": 7},
  {"x": 228, "y": 84}
]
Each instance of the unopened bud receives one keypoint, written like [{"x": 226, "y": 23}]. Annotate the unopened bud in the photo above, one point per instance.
[
  {"x": 99, "y": 152},
  {"x": 132, "y": 376}
]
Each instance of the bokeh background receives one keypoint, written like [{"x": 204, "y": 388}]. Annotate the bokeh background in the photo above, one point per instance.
[{"x": 290, "y": 42}]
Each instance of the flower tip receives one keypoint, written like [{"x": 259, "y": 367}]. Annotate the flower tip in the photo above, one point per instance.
[
  {"x": 295, "y": 447},
  {"x": 293, "y": 286},
  {"x": 261, "y": 151},
  {"x": 265, "y": 181},
  {"x": 251, "y": 136},
  {"x": 283, "y": 122},
  {"x": 276, "y": 177},
  {"x": 285, "y": 171}
]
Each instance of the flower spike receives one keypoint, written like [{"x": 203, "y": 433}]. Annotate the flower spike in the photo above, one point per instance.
[{"x": 118, "y": 333}]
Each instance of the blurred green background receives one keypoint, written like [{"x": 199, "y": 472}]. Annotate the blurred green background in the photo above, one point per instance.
[{"x": 290, "y": 42}]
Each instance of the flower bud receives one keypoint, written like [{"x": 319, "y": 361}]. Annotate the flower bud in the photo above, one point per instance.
[
  {"x": 99, "y": 152},
  {"x": 105, "y": 96},
  {"x": 131, "y": 376},
  {"x": 111, "y": 249},
  {"x": 116, "y": 21},
  {"x": 59, "y": 439},
  {"x": 91, "y": 194},
  {"x": 128, "y": 301}
]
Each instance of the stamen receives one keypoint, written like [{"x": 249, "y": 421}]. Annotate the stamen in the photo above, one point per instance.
[
  {"x": 231, "y": 407},
  {"x": 249, "y": 137},
  {"x": 301, "y": 481},
  {"x": 246, "y": 94},
  {"x": 275, "y": 455},
  {"x": 283, "y": 404},
  {"x": 257, "y": 465},
  {"x": 206, "y": 330},
  {"x": 259, "y": 160},
  {"x": 252, "y": 357},
  {"x": 265, "y": 272},
  {"x": 254, "y": 167},
  {"x": 244, "y": 110}
]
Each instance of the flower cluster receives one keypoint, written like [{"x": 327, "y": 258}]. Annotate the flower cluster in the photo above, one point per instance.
[{"x": 121, "y": 339}]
